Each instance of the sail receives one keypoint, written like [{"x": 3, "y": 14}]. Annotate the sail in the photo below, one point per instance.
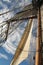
[{"x": 24, "y": 53}]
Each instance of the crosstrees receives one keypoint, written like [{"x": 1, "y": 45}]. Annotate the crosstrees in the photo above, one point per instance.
[
  {"x": 15, "y": 21},
  {"x": 18, "y": 17},
  {"x": 24, "y": 16}
]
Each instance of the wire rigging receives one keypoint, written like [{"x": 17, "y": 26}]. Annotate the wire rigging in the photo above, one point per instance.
[
  {"x": 17, "y": 12},
  {"x": 29, "y": 51},
  {"x": 15, "y": 27}
]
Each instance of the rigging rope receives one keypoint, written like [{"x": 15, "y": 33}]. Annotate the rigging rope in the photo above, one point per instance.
[
  {"x": 20, "y": 22},
  {"x": 28, "y": 51},
  {"x": 14, "y": 9}
]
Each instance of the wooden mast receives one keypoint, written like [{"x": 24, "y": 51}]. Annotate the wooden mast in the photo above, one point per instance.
[{"x": 38, "y": 49}]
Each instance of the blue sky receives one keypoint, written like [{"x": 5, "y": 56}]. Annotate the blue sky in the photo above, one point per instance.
[
  {"x": 8, "y": 49},
  {"x": 6, "y": 5}
]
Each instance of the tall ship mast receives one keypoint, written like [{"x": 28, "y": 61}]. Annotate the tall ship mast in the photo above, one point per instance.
[{"x": 31, "y": 43}]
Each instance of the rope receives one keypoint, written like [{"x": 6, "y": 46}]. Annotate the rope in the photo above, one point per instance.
[{"x": 14, "y": 9}]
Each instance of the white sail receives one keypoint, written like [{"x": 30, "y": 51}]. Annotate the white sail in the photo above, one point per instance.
[{"x": 23, "y": 54}]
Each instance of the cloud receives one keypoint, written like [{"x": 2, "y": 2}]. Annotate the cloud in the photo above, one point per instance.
[
  {"x": 9, "y": 47},
  {"x": 3, "y": 5},
  {"x": 24, "y": 2},
  {"x": 7, "y": 0},
  {"x": 4, "y": 9},
  {"x": 3, "y": 56},
  {"x": 12, "y": 42},
  {"x": 6, "y": 16}
]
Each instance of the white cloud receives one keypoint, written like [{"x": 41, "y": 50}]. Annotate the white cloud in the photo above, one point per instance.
[
  {"x": 13, "y": 39},
  {"x": 3, "y": 56},
  {"x": 4, "y": 9},
  {"x": 9, "y": 47},
  {"x": 6, "y": 16},
  {"x": 3, "y": 5},
  {"x": 7, "y": 0}
]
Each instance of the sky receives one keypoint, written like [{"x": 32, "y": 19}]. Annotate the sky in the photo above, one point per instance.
[
  {"x": 7, "y": 50},
  {"x": 6, "y": 5}
]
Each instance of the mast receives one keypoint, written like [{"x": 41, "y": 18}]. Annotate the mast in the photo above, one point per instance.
[
  {"x": 39, "y": 39},
  {"x": 38, "y": 4}
]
